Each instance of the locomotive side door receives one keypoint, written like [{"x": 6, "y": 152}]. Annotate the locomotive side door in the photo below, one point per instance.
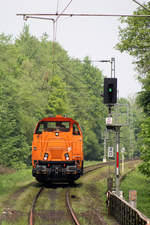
[{"x": 77, "y": 143}]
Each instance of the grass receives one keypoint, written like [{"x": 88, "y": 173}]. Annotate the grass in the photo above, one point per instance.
[
  {"x": 16, "y": 195},
  {"x": 9, "y": 183},
  {"x": 91, "y": 163},
  {"x": 91, "y": 194},
  {"x": 140, "y": 183},
  {"x": 90, "y": 197}
]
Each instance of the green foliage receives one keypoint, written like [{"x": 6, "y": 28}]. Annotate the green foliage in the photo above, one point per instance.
[
  {"x": 33, "y": 86},
  {"x": 135, "y": 37},
  {"x": 57, "y": 101},
  {"x": 36, "y": 83},
  {"x": 145, "y": 151},
  {"x": 140, "y": 183},
  {"x": 126, "y": 114}
]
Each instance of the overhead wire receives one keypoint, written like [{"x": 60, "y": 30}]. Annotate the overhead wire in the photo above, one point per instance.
[
  {"x": 141, "y": 5},
  {"x": 63, "y": 10},
  {"x": 88, "y": 15},
  {"x": 69, "y": 72},
  {"x": 55, "y": 25},
  {"x": 59, "y": 15},
  {"x": 75, "y": 76},
  {"x": 57, "y": 6}
]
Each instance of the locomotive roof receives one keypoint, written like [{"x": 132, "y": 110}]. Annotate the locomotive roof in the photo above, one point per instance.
[{"x": 58, "y": 118}]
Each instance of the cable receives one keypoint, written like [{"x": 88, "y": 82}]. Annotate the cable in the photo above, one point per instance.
[
  {"x": 86, "y": 15},
  {"x": 59, "y": 14},
  {"x": 57, "y": 6},
  {"x": 63, "y": 10},
  {"x": 141, "y": 5}
]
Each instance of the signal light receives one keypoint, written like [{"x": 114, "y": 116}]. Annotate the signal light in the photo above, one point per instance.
[{"x": 110, "y": 91}]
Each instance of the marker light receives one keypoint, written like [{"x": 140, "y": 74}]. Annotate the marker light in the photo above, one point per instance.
[
  {"x": 45, "y": 156},
  {"x": 67, "y": 156}
]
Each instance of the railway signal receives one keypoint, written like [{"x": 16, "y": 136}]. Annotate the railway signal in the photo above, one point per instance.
[{"x": 110, "y": 91}]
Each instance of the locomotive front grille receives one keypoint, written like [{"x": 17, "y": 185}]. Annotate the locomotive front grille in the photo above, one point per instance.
[
  {"x": 56, "y": 153},
  {"x": 56, "y": 148}
]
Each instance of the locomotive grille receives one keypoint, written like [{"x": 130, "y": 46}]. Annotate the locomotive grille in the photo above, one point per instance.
[
  {"x": 56, "y": 148},
  {"x": 56, "y": 153}
]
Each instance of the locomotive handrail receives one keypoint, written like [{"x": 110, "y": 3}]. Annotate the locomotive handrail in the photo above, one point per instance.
[{"x": 123, "y": 212}]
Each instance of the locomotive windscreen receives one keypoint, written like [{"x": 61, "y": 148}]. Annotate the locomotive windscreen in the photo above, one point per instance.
[{"x": 50, "y": 126}]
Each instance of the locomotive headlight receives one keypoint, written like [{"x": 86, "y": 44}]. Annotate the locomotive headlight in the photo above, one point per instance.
[
  {"x": 34, "y": 148},
  {"x": 67, "y": 156},
  {"x": 45, "y": 156}
]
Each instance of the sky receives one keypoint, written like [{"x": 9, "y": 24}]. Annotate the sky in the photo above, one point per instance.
[{"x": 79, "y": 36}]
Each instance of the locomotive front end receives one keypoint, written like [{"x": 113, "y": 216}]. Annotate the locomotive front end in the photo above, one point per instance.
[{"x": 57, "y": 150}]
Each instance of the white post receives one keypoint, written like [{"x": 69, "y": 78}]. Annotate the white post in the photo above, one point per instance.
[
  {"x": 122, "y": 162},
  {"x": 104, "y": 159},
  {"x": 133, "y": 198},
  {"x": 122, "y": 152},
  {"x": 117, "y": 159}
]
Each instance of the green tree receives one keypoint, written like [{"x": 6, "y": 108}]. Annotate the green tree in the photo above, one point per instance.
[
  {"x": 34, "y": 86},
  {"x": 57, "y": 101},
  {"x": 135, "y": 40}
]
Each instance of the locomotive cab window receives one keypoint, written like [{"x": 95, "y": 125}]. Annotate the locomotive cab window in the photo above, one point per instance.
[
  {"x": 75, "y": 129},
  {"x": 50, "y": 126},
  {"x": 41, "y": 127}
]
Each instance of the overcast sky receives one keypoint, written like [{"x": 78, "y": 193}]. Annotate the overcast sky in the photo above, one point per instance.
[{"x": 93, "y": 37}]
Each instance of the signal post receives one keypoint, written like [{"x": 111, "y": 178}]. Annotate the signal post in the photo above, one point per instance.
[
  {"x": 110, "y": 99},
  {"x": 116, "y": 129}
]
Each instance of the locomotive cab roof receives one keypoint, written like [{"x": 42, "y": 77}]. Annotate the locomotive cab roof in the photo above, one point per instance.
[{"x": 59, "y": 118}]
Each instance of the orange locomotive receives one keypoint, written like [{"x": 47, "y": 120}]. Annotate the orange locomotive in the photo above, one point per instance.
[{"x": 57, "y": 152}]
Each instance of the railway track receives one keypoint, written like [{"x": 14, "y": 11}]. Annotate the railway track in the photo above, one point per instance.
[
  {"x": 94, "y": 167},
  {"x": 67, "y": 198},
  {"x": 74, "y": 218},
  {"x": 68, "y": 207},
  {"x": 69, "y": 210},
  {"x": 31, "y": 216}
]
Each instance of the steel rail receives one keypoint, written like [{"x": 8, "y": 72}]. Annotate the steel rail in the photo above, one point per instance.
[
  {"x": 95, "y": 167},
  {"x": 68, "y": 205},
  {"x": 70, "y": 209},
  {"x": 31, "y": 216},
  {"x": 87, "y": 170}
]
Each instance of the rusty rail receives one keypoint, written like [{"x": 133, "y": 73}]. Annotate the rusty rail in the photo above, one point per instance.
[
  {"x": 71, "y": 210},
  {"x": 123, "y": 212},
  {"x": 31, "y": 216},
  {"x": 88, "y": 169}
]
